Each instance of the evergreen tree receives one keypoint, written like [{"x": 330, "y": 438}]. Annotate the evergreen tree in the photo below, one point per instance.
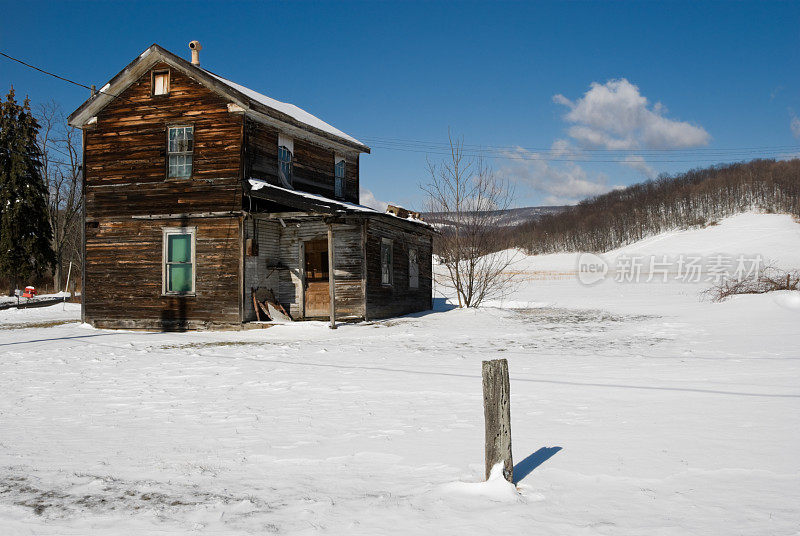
[{"x": 25, "y": 233}]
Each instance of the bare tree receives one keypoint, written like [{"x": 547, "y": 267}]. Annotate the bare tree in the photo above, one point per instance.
[
  {"x": 769, "y": 279},
  {"x": 464, "y": 200},
  {"x": 61, "y": 153}
]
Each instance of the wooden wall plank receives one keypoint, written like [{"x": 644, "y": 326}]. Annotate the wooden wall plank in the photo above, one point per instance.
[
  {"x": 124, "y": 274},
  {"x": 383, "y": 301},
  {"x": 126, "y": 156},
  {"x": 126, "y": 177},
  {"x": 313, "y": 165}
]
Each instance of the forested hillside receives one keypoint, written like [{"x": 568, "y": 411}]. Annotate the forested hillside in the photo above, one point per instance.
[{"x": 695, "y": 198}]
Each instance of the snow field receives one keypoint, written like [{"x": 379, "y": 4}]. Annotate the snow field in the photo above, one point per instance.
[{"x": 636, "y": 408}]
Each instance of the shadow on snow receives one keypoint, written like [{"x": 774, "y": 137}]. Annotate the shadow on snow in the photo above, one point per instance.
[{"x": 526, "y": 466}]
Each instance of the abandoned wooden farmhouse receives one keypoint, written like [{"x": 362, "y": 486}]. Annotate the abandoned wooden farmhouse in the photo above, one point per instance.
[{"x": 209, "y": 205}]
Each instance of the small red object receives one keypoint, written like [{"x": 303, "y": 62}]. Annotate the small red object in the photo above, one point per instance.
[{"x": 29, "y": 292}]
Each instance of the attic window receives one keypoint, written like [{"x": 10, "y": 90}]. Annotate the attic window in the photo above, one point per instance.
[{"x": 161, "y": 83}]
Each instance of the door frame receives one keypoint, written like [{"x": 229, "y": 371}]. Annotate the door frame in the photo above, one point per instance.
[{"x": 304, "y": 279}]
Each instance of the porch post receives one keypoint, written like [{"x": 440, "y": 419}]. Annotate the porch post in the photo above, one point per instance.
[{"x": 331, "y": 277}]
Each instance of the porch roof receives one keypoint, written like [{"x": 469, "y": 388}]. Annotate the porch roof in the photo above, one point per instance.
[
  {"x": 318, "y": 204},
  {"x": 261, "y": 189}
]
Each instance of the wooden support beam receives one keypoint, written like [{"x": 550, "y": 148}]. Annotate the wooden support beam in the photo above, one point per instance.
[
  {"x": 222, "y": 214},
  {"x": 497, "y": 412},
  {"x": 331, "y": 276}
]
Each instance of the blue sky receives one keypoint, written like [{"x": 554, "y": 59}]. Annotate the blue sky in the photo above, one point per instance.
[{"x": 598, "y": 94}]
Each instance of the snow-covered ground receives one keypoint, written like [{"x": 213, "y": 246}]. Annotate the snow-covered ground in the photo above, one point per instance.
[{"x": 636, "y": 408}]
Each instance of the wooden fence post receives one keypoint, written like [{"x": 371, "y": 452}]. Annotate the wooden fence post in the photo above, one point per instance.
[{"x": 497, "y": 412}]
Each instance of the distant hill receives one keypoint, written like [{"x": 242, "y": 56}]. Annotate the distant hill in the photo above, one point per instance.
[
  {"x": 692, "y": 199},
  {"x": 506, "y": 218}
]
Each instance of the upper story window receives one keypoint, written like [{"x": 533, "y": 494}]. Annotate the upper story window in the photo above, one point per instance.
[
  {"x": 338, "y": 176},
  {"x": 180, "y": 146},
  {"x": 160, "y": 82},
  {"x": 285, "y": 151}
]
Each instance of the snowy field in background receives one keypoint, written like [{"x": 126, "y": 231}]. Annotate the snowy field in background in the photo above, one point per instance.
[{"x": 636, "y": 409}]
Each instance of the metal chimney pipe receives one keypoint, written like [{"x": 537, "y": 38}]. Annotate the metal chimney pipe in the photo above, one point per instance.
[{"x": 196, "y": 48}]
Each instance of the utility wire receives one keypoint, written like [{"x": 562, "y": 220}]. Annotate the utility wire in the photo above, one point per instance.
[
  {"x": 540, "y": 158},
  {"x": 41, "y": 159},
  {"x": 445, "y": 145},
  {"x": 112, "y": 95},
  {"x": 502, "y": 152}
]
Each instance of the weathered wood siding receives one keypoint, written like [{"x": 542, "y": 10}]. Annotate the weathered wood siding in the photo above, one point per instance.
[
  {"x": 124, "y": 275},
  {"x": 397, "y": 299},
  {"x": 349, "y": 272},
  {"x": 126, "y": 152},
  {"x": 347, "y": 265},
  {"x": 126, "y": 176},
  {"x": 313, "y": 165},
  {"x": 262, "y": 270}
]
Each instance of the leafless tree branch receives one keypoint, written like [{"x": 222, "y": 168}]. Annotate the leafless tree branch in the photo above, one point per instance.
[{"x": 464, "y": 200}]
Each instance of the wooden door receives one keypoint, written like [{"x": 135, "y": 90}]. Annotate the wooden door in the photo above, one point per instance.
[{"x": 317, "y": 292}]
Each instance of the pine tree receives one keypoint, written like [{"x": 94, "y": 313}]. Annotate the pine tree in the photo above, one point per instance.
[{"x": 25, "y": 232}]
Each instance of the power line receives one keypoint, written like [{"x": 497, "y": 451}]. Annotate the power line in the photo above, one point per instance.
[
  {"x": 41, "y": 159},
  {"x": 43, "y": 71},
  {"x": 112, "y": 95},
  {"x": 540, "y": 158},
  {"x": 685, "y": 155},
  {"x": 445, "y": 145},
  {"x": 91, "y": 88}
]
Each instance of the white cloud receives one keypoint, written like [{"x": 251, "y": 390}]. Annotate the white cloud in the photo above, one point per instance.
[
  {"x": 637, "y": 163},
  {"x": 615, "y": 116},
  {"x": 561, "y": 183},
  {"x": 795, "y": 125},
  {"x": 561, "y": 148},
  {"x": 369, "y": 200}
]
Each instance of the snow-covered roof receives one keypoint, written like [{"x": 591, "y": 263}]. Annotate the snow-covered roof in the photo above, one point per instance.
[
  {"x": 258, "y": 184},
  {"x": 320, "y": 202},
  {"x": 285, "y": 114},
  {"x": 284, "y": 107}
]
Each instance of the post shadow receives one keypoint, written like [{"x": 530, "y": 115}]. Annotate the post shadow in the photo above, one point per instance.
[{"x": 526, "y": 466}]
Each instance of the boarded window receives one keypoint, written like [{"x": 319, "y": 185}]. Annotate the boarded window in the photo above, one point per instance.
[
  {"x": 161, "y": 83},
  {"x": 387, "y": 268},
  {"x": 413, "y": 269},
  {"x": 180, "y": 147},
  {"x": 179, "y": 258},
  {"x": 338, "y": 172}
]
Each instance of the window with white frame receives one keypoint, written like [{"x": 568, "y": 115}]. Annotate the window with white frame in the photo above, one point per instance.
[
  {"x": 338, "y": 176},
  {"x": 413, "y": 269},
  {"x": 387, "y": 265},
  {"x": 180, "y": 147},
  {"x": 285, "y": 152},
  {"x": 160, "y": 82},
  {"x": 179, "y": 260}
]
